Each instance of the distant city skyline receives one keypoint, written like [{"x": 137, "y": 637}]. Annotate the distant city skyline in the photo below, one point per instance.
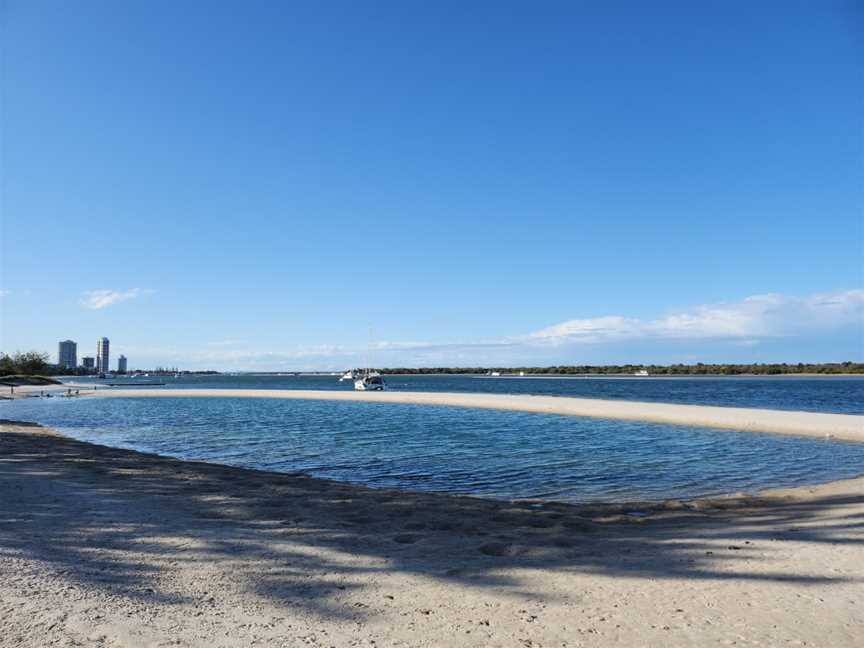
[
  {"x": 67, "y": 357},
  {"x": 476, "y": 184}
]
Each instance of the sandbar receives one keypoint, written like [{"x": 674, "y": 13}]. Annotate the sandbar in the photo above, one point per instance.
[{"x": 815, "y": 424}]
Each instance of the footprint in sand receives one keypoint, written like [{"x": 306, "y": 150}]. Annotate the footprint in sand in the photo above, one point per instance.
[{"x": 501, "y": 549}]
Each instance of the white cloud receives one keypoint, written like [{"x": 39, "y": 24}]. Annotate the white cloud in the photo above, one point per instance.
[
  {"x": 745, "y": 343},
  {"x": 731, "y": 327},
  {"x": 759, "y": 316},
  {"x": 98, "y": 299},
  {"x": 240, "y": 359},
  {"x": 432, "y": 346}
]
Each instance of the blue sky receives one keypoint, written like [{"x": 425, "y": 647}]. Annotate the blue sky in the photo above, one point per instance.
[{"x": 257, "y": 185}]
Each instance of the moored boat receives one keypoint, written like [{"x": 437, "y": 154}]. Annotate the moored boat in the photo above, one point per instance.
[{"x": 369, "y": 381}]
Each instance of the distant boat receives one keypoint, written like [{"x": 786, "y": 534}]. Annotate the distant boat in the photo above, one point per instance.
[
  {"x": 369, "y": 381},
  {"x": 641, "y": 372},
  {"x": 494, "y": 373},
  {"x": 521, "y": 373},
  {"x": 366, "y": 379},
  {"x": 348, "y": 375}
]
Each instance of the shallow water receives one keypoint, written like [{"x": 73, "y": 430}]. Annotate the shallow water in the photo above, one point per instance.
[
  {"x": 478, "y": 452},
  {"x": 844, "y": 395}
]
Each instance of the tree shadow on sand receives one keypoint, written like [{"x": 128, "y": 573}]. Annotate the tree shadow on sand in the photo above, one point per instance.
[{"x": 306, "y": 542}]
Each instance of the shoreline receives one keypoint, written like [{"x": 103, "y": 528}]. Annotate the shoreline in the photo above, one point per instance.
[
  {"x": 105, "y": 546},
  {"x": 600, "y": 508},
  {"x": 846, "y": 427}
]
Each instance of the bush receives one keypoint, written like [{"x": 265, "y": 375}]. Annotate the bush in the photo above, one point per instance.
[{"x": 27, "y": 363}]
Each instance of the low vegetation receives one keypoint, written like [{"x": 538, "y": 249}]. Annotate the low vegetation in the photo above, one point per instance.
[
  {"x": 27, "y": 363},
  {"x": 18, "y": 379},
  {"x": 699, "y": 369},
  {"x": 35, "y": 363}
]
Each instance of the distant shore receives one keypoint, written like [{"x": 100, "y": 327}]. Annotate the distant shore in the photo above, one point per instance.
[{"x": 103, "y": 546}]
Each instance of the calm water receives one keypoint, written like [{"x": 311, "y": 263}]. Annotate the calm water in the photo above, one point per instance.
[
  {"x": 826, "y": 394},
  {"x": 477, "y": 452}
]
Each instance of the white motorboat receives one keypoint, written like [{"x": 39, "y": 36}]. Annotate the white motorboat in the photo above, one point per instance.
[
  {"x": 348, "y": 375},
  {"x": 369, "y": 381},
  {"x": 641, "y": 372},
  {"x": 366, "y": 379}
]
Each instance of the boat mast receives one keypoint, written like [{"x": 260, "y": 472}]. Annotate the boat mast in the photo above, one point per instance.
[{"x": 369, "y": 352}]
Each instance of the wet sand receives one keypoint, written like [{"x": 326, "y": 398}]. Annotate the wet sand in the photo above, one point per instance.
[
  {"x": 838, "y": 426},
  {"x": 109, "y": 547}
]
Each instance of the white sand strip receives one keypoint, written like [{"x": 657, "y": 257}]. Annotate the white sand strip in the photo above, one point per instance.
[{"x": 838, "y": 426}]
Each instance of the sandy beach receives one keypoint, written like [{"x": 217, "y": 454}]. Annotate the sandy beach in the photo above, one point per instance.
[
  {"x": 814, "y": 424},
  {"x": 108, "y": 547}
]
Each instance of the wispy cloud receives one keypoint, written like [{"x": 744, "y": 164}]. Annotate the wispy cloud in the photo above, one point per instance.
[
  {"x": 316, "y": 356},
  {"x": 759, "y": 316},
  {"x": 99, "y": 299},
  {"x": 432, "y": 346},
  {"x": 5, "y": 293},
  {"x": 743, "y": 325}
]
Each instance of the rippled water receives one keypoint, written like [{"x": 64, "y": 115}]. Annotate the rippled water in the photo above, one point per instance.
[
  {"x": 823, "y": 394},
  {"x": 478, "y": 452}
]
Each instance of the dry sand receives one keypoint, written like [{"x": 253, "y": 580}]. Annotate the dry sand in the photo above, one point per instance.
[
  {"x": 839, "y": 426},
  {"x": 108, "y": 547}
]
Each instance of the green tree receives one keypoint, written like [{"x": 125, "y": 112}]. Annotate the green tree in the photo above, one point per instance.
[{"x": 28, "y": 363}]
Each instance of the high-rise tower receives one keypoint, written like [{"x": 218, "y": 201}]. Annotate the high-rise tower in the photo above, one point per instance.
[
  {"x": 67, "y": 355},
  {"x": 102, "y": 355}
]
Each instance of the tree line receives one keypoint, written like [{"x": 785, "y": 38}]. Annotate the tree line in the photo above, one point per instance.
[
  {"x": 29, "y": 363},
  {"x": 36, "y": 363},
  {"x": 698, "y": 369}
]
